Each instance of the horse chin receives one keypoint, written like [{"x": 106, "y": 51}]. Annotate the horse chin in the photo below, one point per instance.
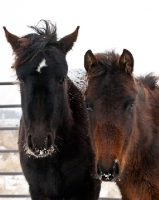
[{"x": 38, "y": 153}]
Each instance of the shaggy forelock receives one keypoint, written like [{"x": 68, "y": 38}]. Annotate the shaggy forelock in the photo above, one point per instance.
[
  {"x": 106, "y": 62},
  {"x": 39, "y": 42}
]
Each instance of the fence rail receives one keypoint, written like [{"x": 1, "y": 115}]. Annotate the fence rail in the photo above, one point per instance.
[
  {"x": 10, "y": 106},
  {"x": 8, "y": 150},
  {"x": 16, "y": 151},
  {"x": 9, "y": 83}
]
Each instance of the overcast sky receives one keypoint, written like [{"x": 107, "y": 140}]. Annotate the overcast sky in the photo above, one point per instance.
[{"x": 104, "y": 25}]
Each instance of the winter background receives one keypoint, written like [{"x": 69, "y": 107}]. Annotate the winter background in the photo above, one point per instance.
[{"x": 104, "y": 25}]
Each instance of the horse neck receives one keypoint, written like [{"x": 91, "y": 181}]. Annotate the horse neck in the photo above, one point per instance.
[
  {"x": 77, "y": 106},
  {"x": 74, "y": 113}
]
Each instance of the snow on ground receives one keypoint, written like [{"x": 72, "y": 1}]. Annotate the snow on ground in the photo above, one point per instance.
[
  {"x": 10, "y": 162},
  {"x": 18, "y": 185}
]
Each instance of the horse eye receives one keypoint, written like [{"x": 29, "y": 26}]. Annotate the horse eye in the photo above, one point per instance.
[
  {"x": 89, "y": 108},
  {"x": 62, "y": 80},
  {"x": 130, "y": 107}
]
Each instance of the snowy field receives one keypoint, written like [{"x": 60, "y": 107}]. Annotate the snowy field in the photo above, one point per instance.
[{"x": 9, "y": 162}]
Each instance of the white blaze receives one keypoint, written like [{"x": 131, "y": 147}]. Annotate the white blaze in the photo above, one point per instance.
[{"x": 41, "y": 65}]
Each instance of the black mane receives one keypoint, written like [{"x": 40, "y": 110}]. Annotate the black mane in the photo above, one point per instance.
[
  {"x": 40, "y": 41},
  {"x": 44, "y": 35}
]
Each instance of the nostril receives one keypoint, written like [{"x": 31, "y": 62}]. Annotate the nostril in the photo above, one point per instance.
[
  {"x": 116, "y": 167},
  {"x": 49, "y": 141},
  {"x": 30, "y": 144}
]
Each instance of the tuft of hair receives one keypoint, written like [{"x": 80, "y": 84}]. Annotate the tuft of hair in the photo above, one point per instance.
[
  {"x": 106, "y": 62},
  {"x": 46, "y": 32},
  {"x": 149, "y": 80},
  {"x": 39, "y": 41},
  {"x": 107, "y": 59}
]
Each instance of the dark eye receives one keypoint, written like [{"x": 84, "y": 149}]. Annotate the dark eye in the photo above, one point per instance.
[
  {"x": 89, "y": 108},
  {"x": 62, "y": 80},
  {"x": 130, "y": 107}
]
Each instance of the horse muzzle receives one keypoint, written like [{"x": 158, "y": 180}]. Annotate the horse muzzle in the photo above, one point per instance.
[
  {"x": 109, "y": 174},
  {"x": 39, "y": 147}
]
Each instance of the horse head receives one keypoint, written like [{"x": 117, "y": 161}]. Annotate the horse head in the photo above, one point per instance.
[
  {"x": 111, "y": 100},
  {"x": 41, "y": 68}
]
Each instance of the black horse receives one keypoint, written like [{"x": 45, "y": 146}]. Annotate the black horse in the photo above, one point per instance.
[{"x": 56, "y": 152}]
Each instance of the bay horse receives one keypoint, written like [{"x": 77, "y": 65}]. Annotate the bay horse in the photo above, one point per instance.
[
  {"x": 56, "y": 151},
  {"x": 124, "y": 122}
]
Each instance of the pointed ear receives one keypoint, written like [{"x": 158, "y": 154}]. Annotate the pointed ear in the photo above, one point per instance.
[
  {"x": 89, "y": 60},
  {"x": 15, "y": 41},
  {"x": 24, "y": 42},
  {"x": 12, "y": 39},
  {"x": 68, "y": 41},
  {"x": 126, "y": 61}
]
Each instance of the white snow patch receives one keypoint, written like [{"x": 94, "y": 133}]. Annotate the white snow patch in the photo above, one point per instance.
[{"x": 78, "y": 77}]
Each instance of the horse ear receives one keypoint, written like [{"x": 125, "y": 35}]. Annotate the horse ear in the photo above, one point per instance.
[
  {"x": 24, "y": 42},
  {"x": 89, "y": 60},
  {"x": 15, "y": 41},
  {"x": 68, "y": 41},
  {"x": 12, "y": 39},
  {"x": 126, "y": 61}
]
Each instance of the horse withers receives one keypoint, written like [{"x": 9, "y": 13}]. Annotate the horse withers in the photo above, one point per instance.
[
  {"x": 56, "y": 152},
  {"x": 124, "y": 117}
]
